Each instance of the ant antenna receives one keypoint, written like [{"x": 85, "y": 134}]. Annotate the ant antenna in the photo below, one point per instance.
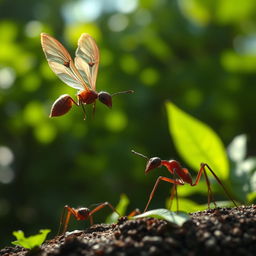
[
  {"x": 139, "y": 154},
  {"x": 129, "y": 91}
]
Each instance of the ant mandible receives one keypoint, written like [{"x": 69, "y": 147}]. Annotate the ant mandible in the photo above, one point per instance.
[
  {"x": 175, "y": 168},
  {"x": 81, "y": 213}
]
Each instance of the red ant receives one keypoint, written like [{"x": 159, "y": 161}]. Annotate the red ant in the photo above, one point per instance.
[
  {"x": 175, "y": 168},
  {"x": 82, "y": 213}
]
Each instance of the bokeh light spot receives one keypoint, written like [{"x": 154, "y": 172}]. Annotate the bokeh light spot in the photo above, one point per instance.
[
  {"x": 233, "y": 62},
  {"x": 193, "y": 97},
  {"x": 8, "y": 76},
  {"x": 6, "y": 156},
  {"x": 129, "y": 64},
  {"x": 82, "y": 11},
  {"x": 118, "y": 22},
  {"x": 126, "y": 6},
  {"x": 34, "y": 113},
  {"x": 6, "y": 175},
  {"x": 149, "y": 76},
  {"x": 33, "y": 28},
  {"x": 45, "y": 133},
  {"x": 116, "y": 121}
]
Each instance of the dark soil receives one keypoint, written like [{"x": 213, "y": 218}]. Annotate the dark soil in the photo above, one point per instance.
[{"x": 229, "y": 231}]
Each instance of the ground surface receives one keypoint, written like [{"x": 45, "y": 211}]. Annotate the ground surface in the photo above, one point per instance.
[{"x": 229, "y": 231}]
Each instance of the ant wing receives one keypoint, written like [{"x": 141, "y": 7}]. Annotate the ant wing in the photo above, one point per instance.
[
  {"x": 61, "y": 62},
  {"x": 87, "y": 59}
]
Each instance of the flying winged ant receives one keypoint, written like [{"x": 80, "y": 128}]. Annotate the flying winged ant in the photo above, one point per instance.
[{"x": 80, "y": 74}]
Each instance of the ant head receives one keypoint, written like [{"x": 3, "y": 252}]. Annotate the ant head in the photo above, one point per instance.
[
  {"x": 105, "y": 98},
  {"x": 153, "y": 163},
  {"x": 83, "y": 213}
]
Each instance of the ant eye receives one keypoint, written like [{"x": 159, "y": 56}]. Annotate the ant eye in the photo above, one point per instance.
[{"x": 153, "y": 163}]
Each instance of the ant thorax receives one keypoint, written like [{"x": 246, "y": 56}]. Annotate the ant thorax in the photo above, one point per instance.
[
  {"x": 172, "y": 165},
  {"x": 87, "y": 97}
]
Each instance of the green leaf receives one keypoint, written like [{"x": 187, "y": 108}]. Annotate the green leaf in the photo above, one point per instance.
[
  {"x": 200, "y": 188},
  {"x": 121, "y": 208},
  {"x": 196, "y": 142},
  {"x": 31, "y": 241},
  {"x": 187, "y": 205},
  {"x": 177, "y": 218}
]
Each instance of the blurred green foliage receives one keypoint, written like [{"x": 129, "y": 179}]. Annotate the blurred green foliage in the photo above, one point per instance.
[{"x": 198, "y": 54}]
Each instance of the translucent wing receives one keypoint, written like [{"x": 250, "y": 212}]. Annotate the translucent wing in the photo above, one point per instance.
[
  {"x": 61, "y": 63},
  {"x": 87, "y": 59}
]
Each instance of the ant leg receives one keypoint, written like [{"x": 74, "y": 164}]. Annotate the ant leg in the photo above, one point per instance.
[
  {"x": 134, "y": 212},
  {"x": 99, "y": 207},
  {"x": 82, "y": 104},
  {"x": 177, "y": 201},
  {"x": 176, "y": 181},
  {"x": 202, "y": 169},
  {"x": 91, "y": 219},
  {"x": 66, "y": 219},
  {"x": 173, "y": 193},
  {"x": 210, "y": 194},
  {"x": 93, "y": 109},
  {"x": 221, "y": 184}
]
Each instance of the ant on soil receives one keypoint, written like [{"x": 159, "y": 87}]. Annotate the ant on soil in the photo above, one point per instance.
[
  {"x": 81, "y": 213},
  {"x": 175, "y": 168},
  {"x": 84, "y": 213}
]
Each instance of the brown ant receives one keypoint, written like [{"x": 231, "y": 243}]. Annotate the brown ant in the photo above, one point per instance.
[
  {"x": 175, "y": 168},
  {"x": 82, "y": 213}
]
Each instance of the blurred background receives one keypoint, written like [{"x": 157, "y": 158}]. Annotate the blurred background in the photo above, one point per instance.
[{"x": 201, "y": 55}]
